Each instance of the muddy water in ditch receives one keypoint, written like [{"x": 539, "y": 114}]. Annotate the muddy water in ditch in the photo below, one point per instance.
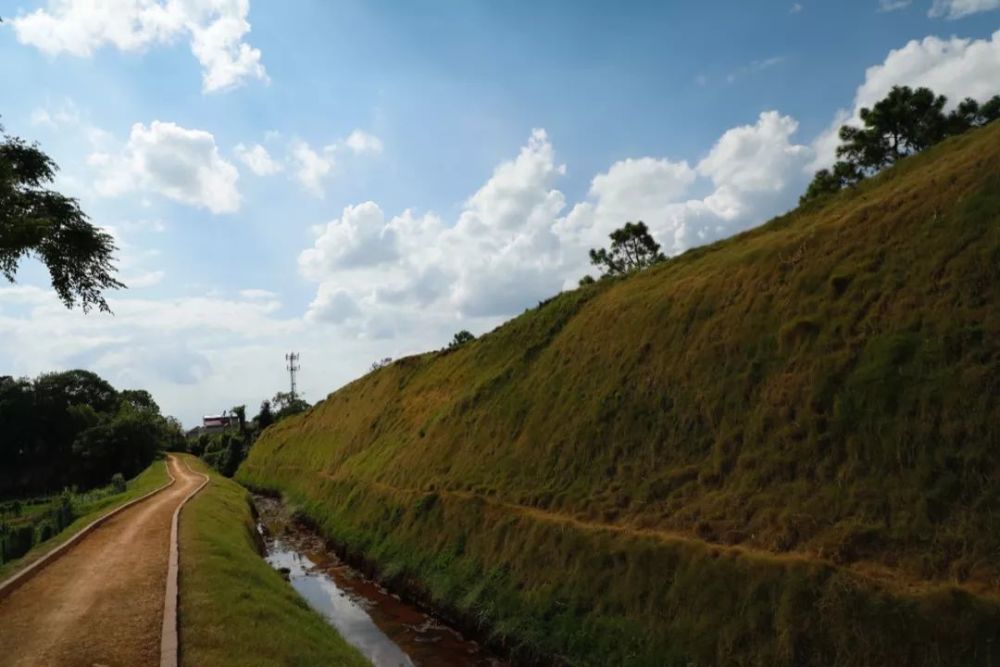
[{"x": 385, "y": 629}]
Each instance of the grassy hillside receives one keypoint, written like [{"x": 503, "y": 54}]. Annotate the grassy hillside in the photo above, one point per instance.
[
  {"x": 783, "y": 448},
  {"x": 234, "y": 608}
]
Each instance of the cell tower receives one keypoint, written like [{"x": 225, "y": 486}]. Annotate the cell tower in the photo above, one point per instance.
[{"x": 293, "y": 367}]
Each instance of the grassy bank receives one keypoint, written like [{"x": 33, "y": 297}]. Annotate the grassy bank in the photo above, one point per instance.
[
  {"x": 779, "y": 449},
  {"x": 234, "y": 608},
  {"x": 88, "y": 511}
]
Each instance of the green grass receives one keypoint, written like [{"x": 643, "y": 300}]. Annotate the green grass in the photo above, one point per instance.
[
  {"x": 782, "y": 448},
  {"x": 234, "y": 608},
  {"x": 149, "y": 479}
]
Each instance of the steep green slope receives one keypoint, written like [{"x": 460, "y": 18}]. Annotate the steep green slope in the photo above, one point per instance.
[{"x": 783, "y": 448}]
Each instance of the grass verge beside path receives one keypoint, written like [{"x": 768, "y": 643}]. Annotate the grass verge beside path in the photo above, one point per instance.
[
  {"x": 234, "y": 608},
  {"x": 148, "y": 480}
]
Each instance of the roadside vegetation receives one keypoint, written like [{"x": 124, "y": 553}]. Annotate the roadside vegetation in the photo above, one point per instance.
[
  {"x": 780, "y": 448},
  {"x": 73, "y": 430},
  {"x": 235, "y": 609},
  {"x": 30, "y": 528},
  {"x": 224, "y": 450}
]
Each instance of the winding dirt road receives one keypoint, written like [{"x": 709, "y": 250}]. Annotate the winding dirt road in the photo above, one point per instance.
[{"x": 101, "y": 603}]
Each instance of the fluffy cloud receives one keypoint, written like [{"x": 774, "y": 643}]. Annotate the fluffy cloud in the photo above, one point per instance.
[
  {"x": 499, "y": 252},
  {"x": 513, "y": 243},
  {"x": 631, "y": 190},
  {"x": 754, "y": 157},
  {"x": 215, "y": 29},
  {"x": 312, "y": 167},
  {"x": 257, "y": 159},
  {"x": 360, "y": 237},
  {"x": 644, "y": 184},
  {"x": 178, "y": 163},
  {"x": 956, "y": 9},
  {"x": 332, "y": 304},
  {"x": 955, "y": 67},
  {"x": 360, "y": 142},
  {"x": 751, "y": 173}
]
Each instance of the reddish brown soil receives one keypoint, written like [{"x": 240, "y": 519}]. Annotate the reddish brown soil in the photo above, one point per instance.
[{"x": 101, "y": 603}]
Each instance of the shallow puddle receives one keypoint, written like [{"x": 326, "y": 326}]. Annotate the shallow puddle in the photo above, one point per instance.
[{"x": 388, "y": 631}]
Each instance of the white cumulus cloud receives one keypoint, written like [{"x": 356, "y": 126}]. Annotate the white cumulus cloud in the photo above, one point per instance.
[
  {"x": 176, "y": 162},
  {"x": 751, "y": 173},
  {"x": 360, "y": 237},
  {"x": 214, "y": 28},
  {"x": 514, "y": 243},
  {"x": 360, "y": 142},
  {"x": 257, "y": 159},
  {"x": 312, "y": 168}
]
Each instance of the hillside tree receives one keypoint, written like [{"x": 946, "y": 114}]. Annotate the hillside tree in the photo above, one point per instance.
[
  {"x": 287, "y": 404},
  {"x": 904, "y": 122},
  {"x": 632, "y": 249},
  {"x": 460, "y": 339},
  {"x": 265, "y": 417}
]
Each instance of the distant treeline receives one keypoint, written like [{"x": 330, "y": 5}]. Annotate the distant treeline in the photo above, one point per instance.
[{"x": 74, "y": 429}]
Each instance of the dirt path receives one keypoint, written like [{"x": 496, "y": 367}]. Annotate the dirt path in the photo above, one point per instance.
[{"x": 102, "y": 602}]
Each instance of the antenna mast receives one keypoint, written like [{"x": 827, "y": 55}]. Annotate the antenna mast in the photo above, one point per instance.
[{"x": 293, "y": 367}]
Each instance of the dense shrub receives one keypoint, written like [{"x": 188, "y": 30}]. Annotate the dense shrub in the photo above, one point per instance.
[{"x": 73, "y": 428}]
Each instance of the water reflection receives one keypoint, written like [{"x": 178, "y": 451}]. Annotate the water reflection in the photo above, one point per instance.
[{"x": 385, "y": 629}]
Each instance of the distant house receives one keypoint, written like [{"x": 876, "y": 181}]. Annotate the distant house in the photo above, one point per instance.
[{"x": 215, "y": 423}]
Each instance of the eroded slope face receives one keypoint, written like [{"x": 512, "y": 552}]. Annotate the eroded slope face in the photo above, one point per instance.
[{"x": 825, "y": 385}]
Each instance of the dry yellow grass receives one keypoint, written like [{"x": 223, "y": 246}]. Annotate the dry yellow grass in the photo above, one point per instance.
[{"x": 823, "y": 388}]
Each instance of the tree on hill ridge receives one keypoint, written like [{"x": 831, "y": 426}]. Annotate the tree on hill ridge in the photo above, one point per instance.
[
  {"x": 632, "y": 248},
  {"x": 904, "y": 122},
  {"x": 460, "y": 339}
]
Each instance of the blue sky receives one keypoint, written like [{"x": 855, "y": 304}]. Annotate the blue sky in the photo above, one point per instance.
[{"x": 358, "y": 180}]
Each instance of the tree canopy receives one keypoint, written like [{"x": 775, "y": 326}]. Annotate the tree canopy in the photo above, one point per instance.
[
  {"x": 460, "y": 339},
  {"x": 265, "y": 417},
  {"x": 287, "y": 404},
  {"x": 74, "y": 428},
  {"x": 37, "y": 221},
  {"x": 632, "y": 248},
  {"x": 904, "y": 122}
]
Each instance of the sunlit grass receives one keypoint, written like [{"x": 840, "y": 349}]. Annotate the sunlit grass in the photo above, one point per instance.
[
  {"x": 234, "y": 608},
  {"x": 811, "y": 405}
]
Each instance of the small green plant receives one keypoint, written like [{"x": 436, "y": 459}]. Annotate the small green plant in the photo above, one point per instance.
[
  {"x": 381, "y": 363},
  {"x": 118, "y": 482}
]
